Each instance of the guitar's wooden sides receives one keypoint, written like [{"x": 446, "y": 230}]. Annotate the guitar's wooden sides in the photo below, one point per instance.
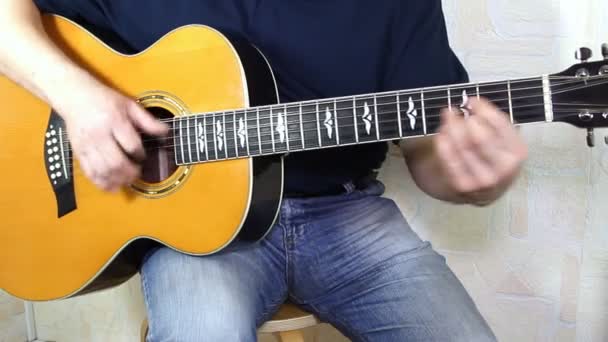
[{"x": 43, "y": 257}]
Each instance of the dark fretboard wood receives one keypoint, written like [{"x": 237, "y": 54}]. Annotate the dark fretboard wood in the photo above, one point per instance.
[{"x": 326, "y": 123}]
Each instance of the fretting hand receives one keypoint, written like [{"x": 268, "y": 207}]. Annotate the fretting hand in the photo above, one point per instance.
[{"x": 480, "y": 155}]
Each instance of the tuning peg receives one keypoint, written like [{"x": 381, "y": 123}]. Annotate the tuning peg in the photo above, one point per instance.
[
  {"x": 605, "y": 51},
  {"x": 583, "y": 54}
]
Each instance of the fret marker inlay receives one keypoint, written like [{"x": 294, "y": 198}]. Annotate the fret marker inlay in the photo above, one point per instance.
[
  {"x": 464, "y": 107},
  {"x": 412, "y": 113},
  {"x": 219, "y": 130},
  {"x": 242, "y": 133},
  {"x": 281, "y": 127},
  {"x": 329, "y": 123},
  {"x": 200, "y": 134},
  {"x": 367, "y": 118}
]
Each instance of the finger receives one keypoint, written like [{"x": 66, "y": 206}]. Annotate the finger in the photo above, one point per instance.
[
  {"x": 94, "y": 167},
  {"x": 507, "y": 137},
  {"x": 118, "y": 169},
  {"x": 450, "y": 155},
  {"x": 483, "y": 175},
  {"x": 142, "y": 119},
  {"x": 492, "y": 115},
  {"x": 129, "y": 140},
  {"x": 499, "y": 164},
  {"x": 482, "y": 139}
]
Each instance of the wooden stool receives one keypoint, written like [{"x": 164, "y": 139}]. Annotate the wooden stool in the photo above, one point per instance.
[{"x": 286, "y": 325}]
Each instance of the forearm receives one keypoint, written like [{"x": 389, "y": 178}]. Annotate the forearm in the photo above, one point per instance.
[
  {"x": 427, "y": 171},
  {"x": 28, "y": 56}
]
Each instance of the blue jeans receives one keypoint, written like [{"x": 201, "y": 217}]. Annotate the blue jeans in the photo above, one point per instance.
[{"x": 351, "y": 259}]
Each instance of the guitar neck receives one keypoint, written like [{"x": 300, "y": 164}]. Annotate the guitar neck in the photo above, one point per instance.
[{"x": 351, "y": 120}]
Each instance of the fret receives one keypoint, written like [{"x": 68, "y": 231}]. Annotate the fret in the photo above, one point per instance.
[
  {"x": 259, "y": 131},
  {"x": 241, "y": 133},
  {"x": 286, "y": 126},
  {"x": 216, "y": 141},
  {"x": 197, "y": 134},
  {"x": 388, "y": 117},
  {"x": 210, "y": 135},
  {"x": 294, "y": 127},
  {"x": 181, "y": 141},
  {"x": 336, "y": 123},
  {"x": 302, "y": 127},
  {"x": 461, "y": 99},
  {"x": 318, "y": 125},
  {"x": 412, "y": 114},
  {"x": 246, "y": 121},
  {"x": 266, "y": 133},
  {"x": 176, "y": 136},
  {"x": 422, "y": 105},
  {"x": 279, "y": 129},
  {"x": 253, "y": 137},
  {"x": 510, "y": 102},
  {"x": 355, "y": 119},
  {"x": 399, "y": 116},
  {"x": 449, "y": 99},
  {"x": 233, "y": 136},
  {"x": 497, "y": 93},
  {"x": 376, "y": 115},
  {"x": 225, "y": 135},
  {"x": 327, "y": 123},
  {"x": 196, "y": 155},
  {"x": 345, "y": 117},
  {"x": 310, "y": 123},
  {"x": 204, "y": 138},
  {"x": 366, "y": 126},
  {"x": 272, "y": 131},
  {"x": 528, "y": 101},
  {"x": 189, "y": 141},
  {"x": 434, "y": 102}
]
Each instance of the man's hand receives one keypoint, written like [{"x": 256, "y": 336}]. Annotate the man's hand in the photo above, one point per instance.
[
  {"x": 103, "y": 127},
  {"x": 472, "y": 160}
]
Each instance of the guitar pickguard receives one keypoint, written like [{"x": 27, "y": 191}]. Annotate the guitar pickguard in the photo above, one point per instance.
[{"x": 58, "y": 166}]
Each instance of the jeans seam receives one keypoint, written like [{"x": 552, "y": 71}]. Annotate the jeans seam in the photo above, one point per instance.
[{"x": 144, "y": 283}]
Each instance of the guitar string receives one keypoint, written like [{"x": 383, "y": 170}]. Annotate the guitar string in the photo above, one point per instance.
[
  {"x": 227, "y": 116},
  {"x": 230, "y": 146},
  {"x": 391, "y": 112},
  {"x": 442, "y": 89},
  {"x": 78, "y": 171},
  {"x": 295, "y": 137},
  {"x": 229, "y": 133}
]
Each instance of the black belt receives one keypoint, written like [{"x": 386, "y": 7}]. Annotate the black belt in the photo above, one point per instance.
[{"x": 341, "y": 189}]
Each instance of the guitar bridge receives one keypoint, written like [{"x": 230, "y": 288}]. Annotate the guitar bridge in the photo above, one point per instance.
[{"x": 58, "y": 156}]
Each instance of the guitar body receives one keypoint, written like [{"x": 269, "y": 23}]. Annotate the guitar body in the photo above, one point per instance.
[{"x": 61, "y": 236}]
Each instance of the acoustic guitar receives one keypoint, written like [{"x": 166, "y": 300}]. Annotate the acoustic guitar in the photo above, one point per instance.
[{"x": 217, "y": 178}]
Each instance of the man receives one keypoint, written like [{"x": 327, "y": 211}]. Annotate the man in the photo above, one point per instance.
[{"x": 339, "y": 250}]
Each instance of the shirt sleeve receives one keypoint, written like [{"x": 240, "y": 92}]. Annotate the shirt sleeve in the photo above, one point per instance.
[
  {"x": 421, "y": 50},
  {"x": 90, "y": 15}
]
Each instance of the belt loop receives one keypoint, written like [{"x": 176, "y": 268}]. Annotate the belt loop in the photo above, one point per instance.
[{"x": 349, "y": 187}]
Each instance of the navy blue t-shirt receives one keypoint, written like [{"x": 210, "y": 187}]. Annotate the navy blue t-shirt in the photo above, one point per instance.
[{"x": 317, "y": 48}]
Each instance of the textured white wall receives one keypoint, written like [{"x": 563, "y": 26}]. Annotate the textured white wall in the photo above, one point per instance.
[{"x": 536, "y": 262}]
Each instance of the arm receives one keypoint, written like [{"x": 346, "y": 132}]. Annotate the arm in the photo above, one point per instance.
[
  {"x": 102, "y": 124},
  {"x": 28, "y": 56},
  {"x": 470, "y": 161}
]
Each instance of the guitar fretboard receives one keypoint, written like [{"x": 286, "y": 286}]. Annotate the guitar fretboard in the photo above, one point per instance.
[{"x": 344, "y": 121}]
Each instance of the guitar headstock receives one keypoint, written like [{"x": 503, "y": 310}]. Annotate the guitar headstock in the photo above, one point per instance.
[{"x": 580, "y": 93}]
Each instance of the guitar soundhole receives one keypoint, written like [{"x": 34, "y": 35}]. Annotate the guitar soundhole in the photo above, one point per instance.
[{"x": 160, "y": 156}]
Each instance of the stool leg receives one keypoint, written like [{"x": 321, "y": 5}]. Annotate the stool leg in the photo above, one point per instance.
[{"x": 290, "y": 336}]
